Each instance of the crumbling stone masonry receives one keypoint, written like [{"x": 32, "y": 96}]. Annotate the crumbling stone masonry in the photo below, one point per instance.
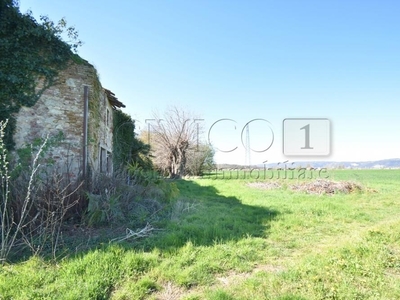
[{"x": 81, "y": 109}]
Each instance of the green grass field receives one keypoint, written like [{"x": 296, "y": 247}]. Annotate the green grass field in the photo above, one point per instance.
[{"x": 226, "y": 240}]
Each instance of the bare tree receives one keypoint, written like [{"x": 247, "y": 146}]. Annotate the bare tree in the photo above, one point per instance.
[{"x": 171, "y": 137}]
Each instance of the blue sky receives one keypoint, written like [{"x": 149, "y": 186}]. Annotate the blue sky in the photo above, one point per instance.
[{"x": 246, "y": 60}]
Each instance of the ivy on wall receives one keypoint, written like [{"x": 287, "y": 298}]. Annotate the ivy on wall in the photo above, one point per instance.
[
  {"x": 127, "y": 148},
  {"x": 30, "y": 53},
  {"x": 95, "y": 112}
]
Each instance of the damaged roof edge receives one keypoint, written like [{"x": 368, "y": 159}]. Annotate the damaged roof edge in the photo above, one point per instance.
[{"x": 113, "y": 100}]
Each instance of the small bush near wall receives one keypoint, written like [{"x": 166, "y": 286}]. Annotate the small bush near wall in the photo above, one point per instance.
[
  {"x": 35, "y": 201},
  {"x": 131, "y": 198}
]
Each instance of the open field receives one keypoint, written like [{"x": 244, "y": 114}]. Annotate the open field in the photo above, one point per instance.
[{"x": 224, "y": 239}]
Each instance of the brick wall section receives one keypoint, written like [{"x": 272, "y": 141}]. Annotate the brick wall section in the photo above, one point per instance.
[{"x": 60, "y": 108}]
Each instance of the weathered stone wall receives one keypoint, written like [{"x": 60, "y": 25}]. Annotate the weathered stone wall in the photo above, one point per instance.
[
  {"x": 61, "y": 108},
  {"x": 100, "y": 131}
]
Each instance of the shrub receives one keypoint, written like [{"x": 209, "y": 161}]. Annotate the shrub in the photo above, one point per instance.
[
  {"x": 133, "y": 198},
  {"x": 34, "y": 202}
]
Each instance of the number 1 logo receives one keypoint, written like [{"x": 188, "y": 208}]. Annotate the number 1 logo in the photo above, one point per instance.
[{"x": 306, "y": 137}]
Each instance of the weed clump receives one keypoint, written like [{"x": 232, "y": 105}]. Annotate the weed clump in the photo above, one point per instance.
[
  {"x": 328, "y": 187},
  {"x": 271, "y": 185},
  {"x": 318, "y": 186}
]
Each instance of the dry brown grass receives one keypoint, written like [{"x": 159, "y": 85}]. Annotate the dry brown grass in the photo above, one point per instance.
[{"x": 318, "y": 186}]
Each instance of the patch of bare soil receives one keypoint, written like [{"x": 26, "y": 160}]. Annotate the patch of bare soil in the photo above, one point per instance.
[
  {"x": 170, "y": 292},
  {"x": 233, "y": 277}
]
